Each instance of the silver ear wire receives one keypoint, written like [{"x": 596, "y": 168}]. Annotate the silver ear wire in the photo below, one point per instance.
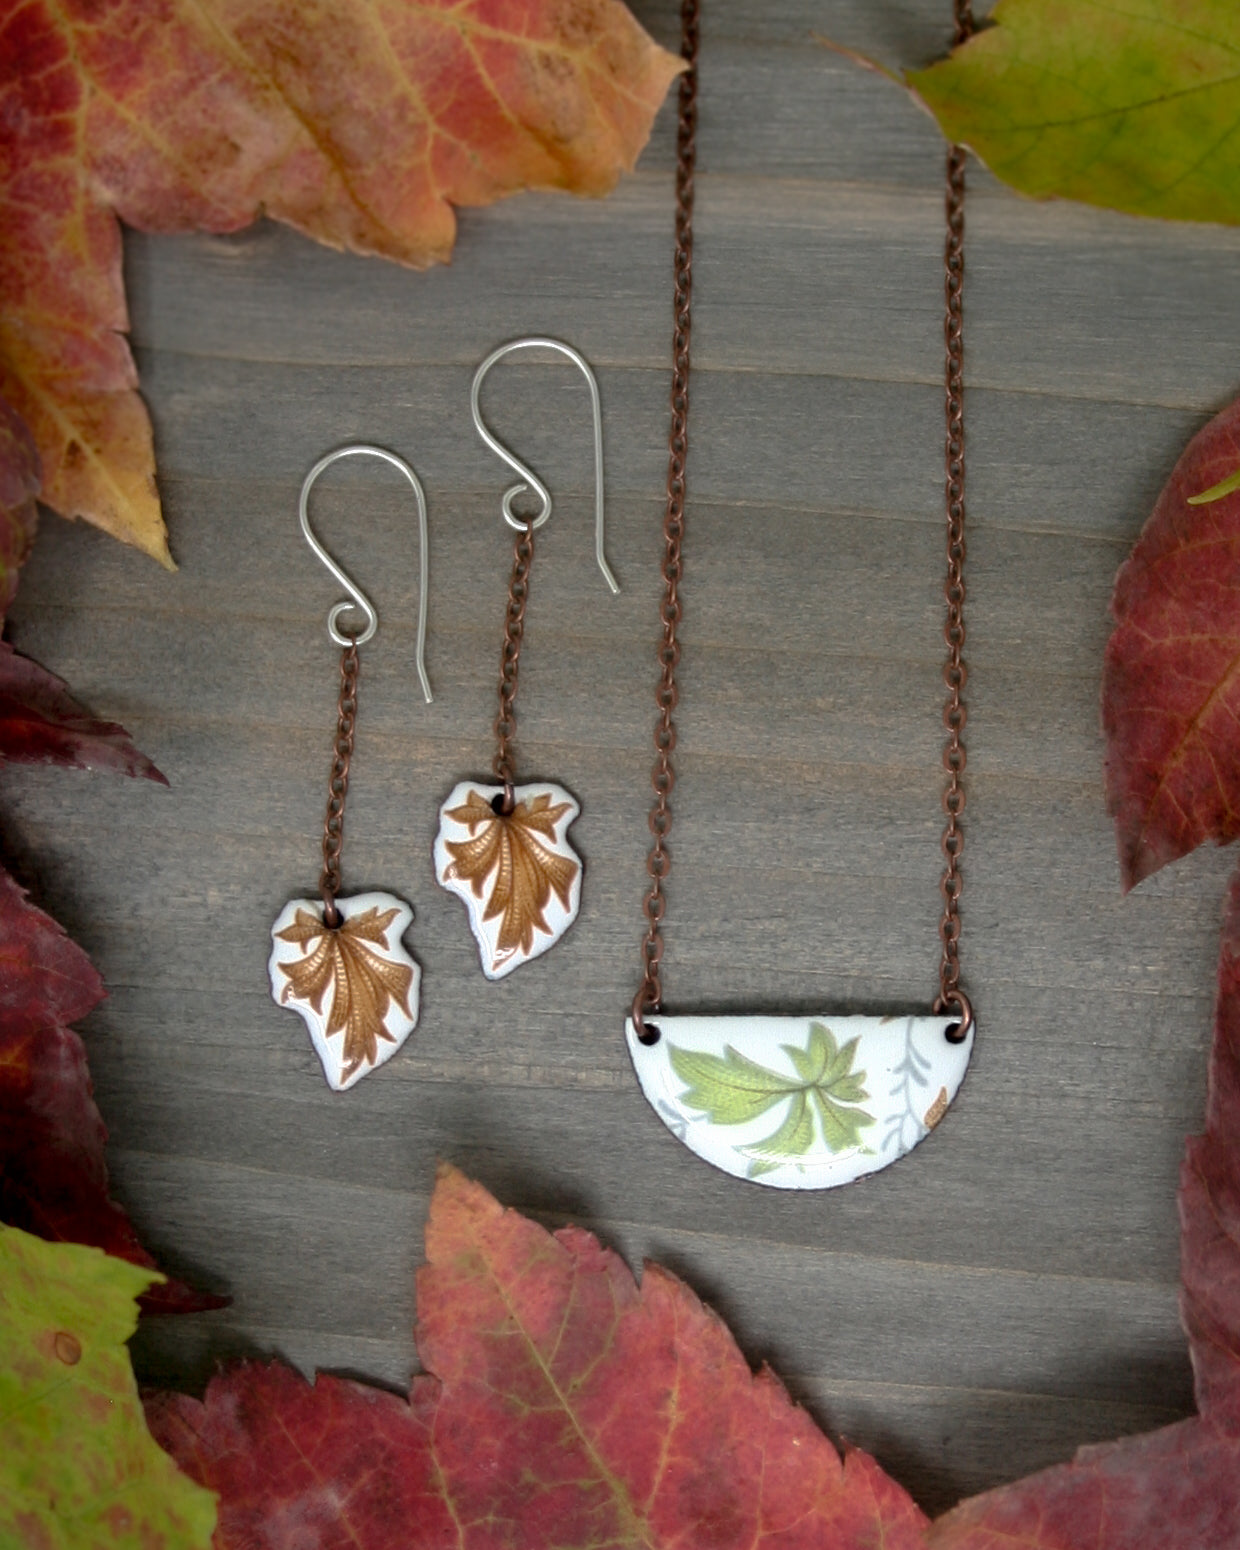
[
  {"x": 357, "y": 598},
  {"x": 530, "y": 482}
]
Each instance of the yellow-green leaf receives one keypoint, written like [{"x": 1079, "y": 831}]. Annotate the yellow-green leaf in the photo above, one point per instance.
[
  {"x": 78, "y": 1467},
  {"x": 729, "y": 1087},
  {"x": 733, "y": 1090},
  {"x": 1131, "y": 106}
]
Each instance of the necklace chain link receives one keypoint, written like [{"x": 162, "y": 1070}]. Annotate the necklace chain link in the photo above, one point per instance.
[
  {"x": 663, "y": 778},
  {"x": 649, "y": 997},
  {"x": 955, "y": 673}
]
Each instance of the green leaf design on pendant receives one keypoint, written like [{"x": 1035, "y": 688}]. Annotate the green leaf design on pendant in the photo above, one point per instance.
[{"x": 732, "y": 1090}]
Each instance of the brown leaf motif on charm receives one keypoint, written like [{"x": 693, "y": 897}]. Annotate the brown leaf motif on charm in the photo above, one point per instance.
[
  {"x": 361, "y": 981},
  {"x": 937, "y": 1109},
  {"x": 527, "y": 871}
]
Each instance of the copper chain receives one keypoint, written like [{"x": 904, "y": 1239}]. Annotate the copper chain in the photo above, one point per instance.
[
  {"x": 658, "y": 863},
  {"x": 338, "y": 784},
  {"x": 955, "y": 673},
  {"x": 951, "y": 998},
  {"x": 510, "y": 658}
]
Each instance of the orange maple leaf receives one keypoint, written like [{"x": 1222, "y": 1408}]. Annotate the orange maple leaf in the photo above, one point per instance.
[
  {"x": 526, "y": 871},
  {"x": 359, "y": 122}
]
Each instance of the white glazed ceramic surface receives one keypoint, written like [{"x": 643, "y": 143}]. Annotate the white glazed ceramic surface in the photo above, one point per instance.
[
  {"x": 519, "y": 877},
  {"x": 800, "y": 1102},
  {"x": 356, "y": 987}
]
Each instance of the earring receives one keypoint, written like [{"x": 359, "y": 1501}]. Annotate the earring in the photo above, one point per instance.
[
  {"x": 505, "y": 852},
  {"x": 339, "y": 962}
]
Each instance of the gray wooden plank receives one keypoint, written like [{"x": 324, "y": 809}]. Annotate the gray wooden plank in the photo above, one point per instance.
[
  {"x": 1055, "y": 1335},
  {"x": 799, "y": 273},
  {"x": 1037, "y": 462},
  {"x": 871, "y": 586},
  {"x": 899, "y": 31},
  {"x": 977, "y": 1193},
  {"x": 796, "y": 925}
]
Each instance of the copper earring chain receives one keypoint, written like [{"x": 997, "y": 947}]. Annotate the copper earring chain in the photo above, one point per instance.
[
  {"x": 510, "y": 659},
  {"x": 951, "y": 998},
  {"x": 338, "y": 783}
]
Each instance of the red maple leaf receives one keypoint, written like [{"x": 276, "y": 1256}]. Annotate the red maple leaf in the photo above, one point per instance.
[
  {"x": 1171, "y": 689},
  {"x": 568, "y": 1408},
  {"x": 41, "y": 723},
  {"x": 333, "y": 1464},
  {"x": 1178, "y": 1488},
  {"x": 53, "y": 1178}
]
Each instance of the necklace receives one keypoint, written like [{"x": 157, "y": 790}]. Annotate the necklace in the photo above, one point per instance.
[{"x": 802, "y": 1102}]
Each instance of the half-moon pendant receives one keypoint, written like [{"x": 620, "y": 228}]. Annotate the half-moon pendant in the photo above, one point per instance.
[{"x": 800, "y": 1102}]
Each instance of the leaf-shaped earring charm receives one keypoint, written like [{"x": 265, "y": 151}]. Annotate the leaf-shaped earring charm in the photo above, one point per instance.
[
  {"x": 353, "y": 979},
  {"x": 517, "y": 873},
  {"x": 339, "y": 962},
  {"x": 501, "y": 847}
]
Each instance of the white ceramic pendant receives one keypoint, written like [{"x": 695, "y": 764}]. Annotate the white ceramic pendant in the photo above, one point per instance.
[
  {"x": 354, "y": 984},
  {"x": 518, "y": 875},
  {"x": 800, "y": 1102}
]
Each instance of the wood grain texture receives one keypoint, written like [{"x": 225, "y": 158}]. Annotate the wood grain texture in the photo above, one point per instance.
[{"x": 1009, "y": 1291}]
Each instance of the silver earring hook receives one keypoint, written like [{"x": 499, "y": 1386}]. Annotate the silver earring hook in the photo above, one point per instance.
[
  {"x": 530, "y": 482},
  {"x": 357, "y": 598}
]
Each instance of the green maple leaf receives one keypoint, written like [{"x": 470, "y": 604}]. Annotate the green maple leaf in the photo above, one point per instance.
[
  {"x": 732, "y": 1090},
  {"x": 78, "y": 1467},
  {"x": 1133, "y": 107}
]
